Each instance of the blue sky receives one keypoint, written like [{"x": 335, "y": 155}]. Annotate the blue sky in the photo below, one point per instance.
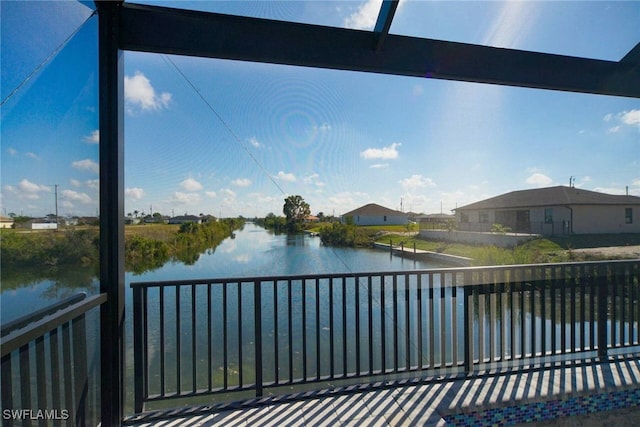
[{"x": 251, "y": 134}]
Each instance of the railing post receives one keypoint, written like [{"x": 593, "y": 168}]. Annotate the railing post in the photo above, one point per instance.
[
  {"x": 257, "y": 327},
  {"x": 138, "y": 351},
  {"x": 468, "y": 323},
  {"x": 603, "y": 284}
]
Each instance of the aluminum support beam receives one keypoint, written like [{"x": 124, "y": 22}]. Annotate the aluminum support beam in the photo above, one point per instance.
[
  {"x": 203, "y": 34},
  {"x": 111, "y": 87},
  {"x": 383, "y": 23}
]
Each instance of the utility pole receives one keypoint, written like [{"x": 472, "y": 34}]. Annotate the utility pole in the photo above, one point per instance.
[{"x": 56, "y": 193}]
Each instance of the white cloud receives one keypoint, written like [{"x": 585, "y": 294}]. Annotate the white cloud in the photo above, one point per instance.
[
  {"x": 379, "y": 166},
  {"x": 12, "y": 151},
  {"x": 86, "y": 164},
  {"x": 511, "y": 24},
  {"x": 416, "y": 181},
  {"x": 313, "y": 179},
  {"x": 75, "y": 182},
  {"x": 210, "y": 194},
  {"x": 241, "y": 182},
  {"x": 254, "y": 141},
  {"x": 614, "y": 129},
  {"x": 93, "y": 184},
  {"x": 365, "y": 17},
  {"x": 607, "y": 117},
  {"x": 191, "y": 184},
  {"x": 135, "y": 193},
  {"x": 93, "y": 137},
  {"x": 389, "y": 152},
  {"x": 630, "y": 117},
  {"x": 181, "y": 198},
  {"x": 539, "y": 179},
  {"x": 74, "y": 196},
  {"x": 289, "y": 177},
  {"x": 228, "y": 192},
  {"x": 139, "y": 94},
  {"x": 27, "y": 190},
  {"x": 32, "y": 155}
]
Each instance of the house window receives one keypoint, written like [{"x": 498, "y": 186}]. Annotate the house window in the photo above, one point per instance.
[
  {"x": 628, "y": 215},
  {"x": 484, "y": 217},
  {"x": 385, "y": 218},
  {"x": 548, "y": 216}
]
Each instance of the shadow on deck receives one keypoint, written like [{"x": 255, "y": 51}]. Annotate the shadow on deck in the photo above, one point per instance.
[{"x": 537, "y": 394}]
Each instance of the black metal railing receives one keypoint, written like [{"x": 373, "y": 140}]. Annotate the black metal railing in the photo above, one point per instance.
[
  {"x": 217, "y": 336},
  {"x": 49, "y": 368}
]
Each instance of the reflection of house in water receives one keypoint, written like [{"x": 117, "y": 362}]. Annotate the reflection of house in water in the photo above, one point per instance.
[{"x": 553, "y": 211}]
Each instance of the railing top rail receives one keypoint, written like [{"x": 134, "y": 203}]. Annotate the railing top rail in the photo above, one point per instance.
[
  {"x": 20, "y": 337},
  {"x": 358, "y": 275},
  {"x": 23, "y": 321}
]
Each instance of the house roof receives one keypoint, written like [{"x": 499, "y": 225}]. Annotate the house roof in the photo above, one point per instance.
[
  {"x": 5, "y": 219},
  {"x": 373, "y": 209},
  {"x": 551, "y": 196}
]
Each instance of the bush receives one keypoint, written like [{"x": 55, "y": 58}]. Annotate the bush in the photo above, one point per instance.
[{"x": 338, "y": 234}]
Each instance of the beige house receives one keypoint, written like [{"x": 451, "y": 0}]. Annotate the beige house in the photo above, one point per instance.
[
  {"x": 373, "y": 214},
  {"x": 553, "y": 211},
  {"x": 6, "y": 222}
]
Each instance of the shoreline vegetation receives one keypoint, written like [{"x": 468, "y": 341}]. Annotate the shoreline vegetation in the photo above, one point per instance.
[{"x": 149, "y": 247}]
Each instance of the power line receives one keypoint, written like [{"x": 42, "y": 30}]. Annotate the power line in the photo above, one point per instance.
[
  {"x": 46, "y": 60},
  {"x": 225, "y": 124}
]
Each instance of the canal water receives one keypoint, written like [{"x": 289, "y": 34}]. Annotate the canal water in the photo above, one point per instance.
[{"x": 253, "y": 251}]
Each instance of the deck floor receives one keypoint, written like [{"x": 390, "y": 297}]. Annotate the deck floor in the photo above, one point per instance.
[{"x": 603, "y": 392}]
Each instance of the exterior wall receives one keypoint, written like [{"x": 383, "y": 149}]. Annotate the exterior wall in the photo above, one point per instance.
[
  {"x": 44, "y": 226},
  {"x": 559, "y": 223},
  {"x": 378, "y": 219},
  {"x": 605, "y": 219},
  {"x": 6, "y": 224}
]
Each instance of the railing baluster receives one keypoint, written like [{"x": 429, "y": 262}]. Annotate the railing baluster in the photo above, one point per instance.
[
  {"x": 573, "y": 309},
  {"x": 482, "y": 288},
  {"x": 304, "y": 329},
  {"x": 162, "y": 342},
  {"x": 432, "y": 324},
  {"x": 41, "y": 390},
  {"x": 178, "y": 347},
  {"x": 492, "y": 316},
  {"x": 194, "y": 359},
  {"x": 554, "y": 319},
  {"x": 419, "y": 320},
  {"x": 468, "y": 322},
  {"x": 370, "y": 322},
  {"x": 54, "y": 358},
  {"x": 81, "y": 378},
  {"x": 532, "y": 310},
  {"x": 290, "y": 329},
  {"x": 344, "y": 328},
  {"x": 544, "y": 282},
  {"x": 318, "y": 329},
  {"x": 276, "y": 333},
  {"x": 356, "y": 282},
  {"x": 395, "y": 323},
  {"x": 225, "y": 338},
  {"x": 239, "y": 319},
  {"x": 7, "y": 383},
  {"x": 603, "y": 285},
  {"x": 209, "y": 344},
  {"x": 407, "y": 322},
  {"x": 443, "y": 321},
  {"x": 454, "y": 321},
  {"x": 593, "y": 274},
  {"x": 583, "y": 302},
  {"x": 257, "y": 321},
  {"x": 514, "y": 317},
  {"x": 66, "y": 366},
  {"x": 383, "y": 354},
  {"x": 563, "y": 311},
  {"x": 331, "y": 332},
  {"x": 503, "y": 317}
]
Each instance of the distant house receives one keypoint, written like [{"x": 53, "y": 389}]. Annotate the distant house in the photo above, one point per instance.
[
  {"x": 6, "y": 222},
  {"x": 129, "y": 220},
  {"x": 311, "y": 218},
  {"x": 184, "y": 219},
  {"x": 434, "y": 221},
  {"x": 553, "y": 211},
  {"x": 373, "y": 214}
]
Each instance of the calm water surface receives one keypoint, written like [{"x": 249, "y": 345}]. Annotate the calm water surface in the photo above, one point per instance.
[{"x": 253, "y": 252}]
